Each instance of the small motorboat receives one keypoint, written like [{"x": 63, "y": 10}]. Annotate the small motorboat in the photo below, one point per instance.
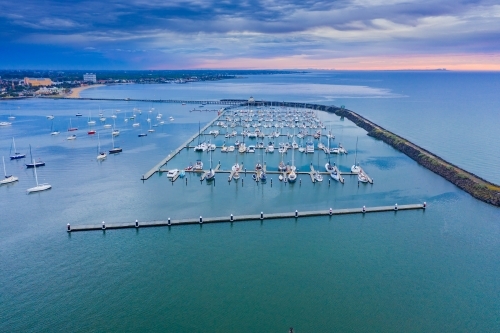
[{"x": 172, "y": 173}]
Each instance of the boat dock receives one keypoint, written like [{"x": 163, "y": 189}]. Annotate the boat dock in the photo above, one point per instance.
[
  {"x": 164, "y": 161},
  {"x": 244, "y": 218}
]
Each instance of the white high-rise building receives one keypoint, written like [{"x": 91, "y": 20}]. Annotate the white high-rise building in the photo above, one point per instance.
[{"x": 89, "y": 77}]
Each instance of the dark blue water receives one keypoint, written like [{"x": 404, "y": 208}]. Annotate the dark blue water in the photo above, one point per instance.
[{"x": 433, "y": 270}]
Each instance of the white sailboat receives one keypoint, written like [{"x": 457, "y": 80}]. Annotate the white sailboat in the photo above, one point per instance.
[
  {"x": 38, "y": 187},
  {"x": 90, "y": 122},
  {"x": 150, "y": 130},
  {"x": 52, "y": 132},
  {"x": 7, "y": 179},
  {"x": 331, "y": 169},
  {"x": 356, "y": 168},
  {"x": 292, "y": 176},
  {"x": 211, "y": 173},
  {"x": 101, "y": 155},
  {"x": 115, "y": 132}
]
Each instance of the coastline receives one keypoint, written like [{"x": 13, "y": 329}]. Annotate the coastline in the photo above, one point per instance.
[{"x": 75, "y": 92}]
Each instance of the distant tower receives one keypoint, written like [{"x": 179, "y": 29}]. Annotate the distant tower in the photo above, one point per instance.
[{"x": 251, "y": 100}]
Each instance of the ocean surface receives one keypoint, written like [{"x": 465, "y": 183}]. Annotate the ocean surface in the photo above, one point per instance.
[{"x": 411, "y": 271}]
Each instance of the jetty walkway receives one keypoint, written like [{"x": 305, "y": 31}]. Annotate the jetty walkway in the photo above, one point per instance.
[
  {"x": 164, "y": 161},
  {"x": 244, "y": 218},
  {"x": 174, "y": 101}
]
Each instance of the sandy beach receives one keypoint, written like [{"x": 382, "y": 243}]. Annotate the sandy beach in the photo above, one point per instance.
[{"x": 75, "y": 92}]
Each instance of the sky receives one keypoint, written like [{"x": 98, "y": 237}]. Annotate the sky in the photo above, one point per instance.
[{"x": 250, "y": 34}]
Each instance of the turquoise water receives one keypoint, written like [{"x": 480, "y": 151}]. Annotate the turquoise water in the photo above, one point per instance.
[{"x": 433, "y": 270}]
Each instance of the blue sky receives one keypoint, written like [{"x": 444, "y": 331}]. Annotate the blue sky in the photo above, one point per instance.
[{"x": 154, "y": 34}]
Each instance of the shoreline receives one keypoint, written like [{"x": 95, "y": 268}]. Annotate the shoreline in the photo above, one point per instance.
[{"x": 75, "y": 92}]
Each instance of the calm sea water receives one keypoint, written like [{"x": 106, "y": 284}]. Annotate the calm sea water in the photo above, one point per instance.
[{"x": 433, "y": 270}]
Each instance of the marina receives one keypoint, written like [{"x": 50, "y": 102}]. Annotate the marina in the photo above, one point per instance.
[
  {"x": 260, "y": 123},
  {"x": 243, "y": 218}
]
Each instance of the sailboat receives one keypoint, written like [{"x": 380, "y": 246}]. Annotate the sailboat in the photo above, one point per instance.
[
  {"x": 52, "y": 132},
  {"x": 38, "y": 187},
  {"x": 356, "y": 168},
  {"x": 91, "y": 122},
  {"x": 282, "y": 166},
  {"x": 150, "y": 130},
  {"x": 211, "y": 174},
  {"x": 114, "y": 150},
  {"x": 262, "y": 175},
  {"x": 16, "y": 155},
  {"x": 115, "y": 132},
  {"x": 102, "y": 155},
  {"x": 317, "y": 175},
  {"x": 292, "y": 176},
  {"x": 331, "y": 168},
  {"x": 200, "y": 146},
  {"x": 34, "y": 164},
  {"x": 7, "y": 179},
  {"x": 236, "y": 168},
  {"x": 71, "y": 128}
]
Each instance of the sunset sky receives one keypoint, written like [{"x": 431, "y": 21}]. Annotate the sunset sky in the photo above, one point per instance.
[{"x": 251, "y": 34}]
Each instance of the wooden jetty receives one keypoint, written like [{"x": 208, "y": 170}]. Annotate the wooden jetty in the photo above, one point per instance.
[
  {"x": 243, "y": 218},
  {"x": 164, "y": 161},
  {"x": 205, "y": 173}
]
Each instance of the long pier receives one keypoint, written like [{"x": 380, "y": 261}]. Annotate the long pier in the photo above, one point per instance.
[
  {"x": 164, "y": 161},
  {"x": 244, "y": 218},
  {"x": 174, "y": 101}
]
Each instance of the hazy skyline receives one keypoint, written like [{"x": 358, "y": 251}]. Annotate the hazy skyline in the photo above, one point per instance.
[{"x": 351, "y": 34}]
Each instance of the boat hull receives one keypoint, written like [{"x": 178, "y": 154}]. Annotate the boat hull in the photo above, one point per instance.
[
  {"x": 37, "y": 164},
  {"x": 8, "y": 180},
  {"x": 38, "y": 188},
  {"x": 115, "y": 151},
  {"x": 17, "y": 156}
]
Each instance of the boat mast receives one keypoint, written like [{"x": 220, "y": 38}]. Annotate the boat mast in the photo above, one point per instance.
[
  {"x": 329, "y": 151},
  {"x": 356, "y": 153},
  {"x": 36, "y": 177},
  {"x": 4, "y": 172}
]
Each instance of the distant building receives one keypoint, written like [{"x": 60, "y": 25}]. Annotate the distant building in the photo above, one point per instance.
[
  {"x": 89, "y": 77},
  {"x": 37, "y": 82}
]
